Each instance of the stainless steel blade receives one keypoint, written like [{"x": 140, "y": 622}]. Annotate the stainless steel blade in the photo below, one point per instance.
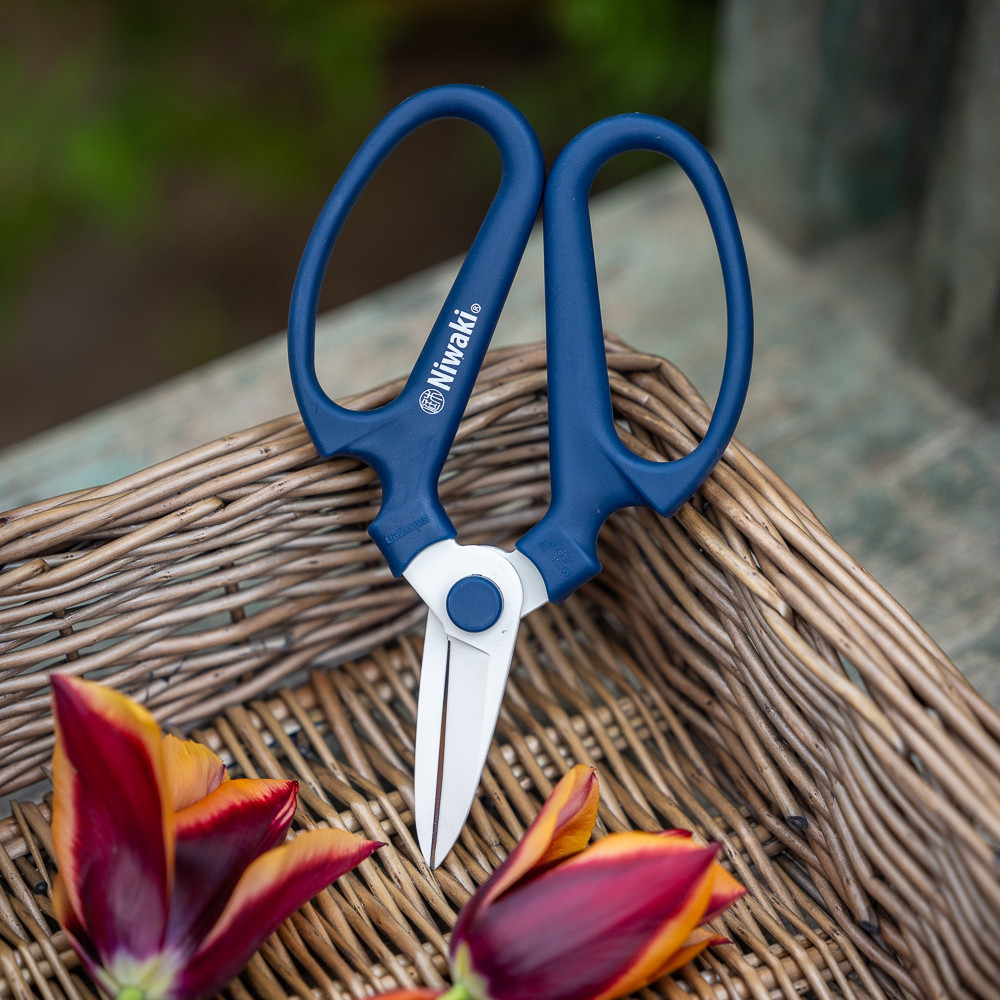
[
  {"x": 462, "y": 682},
  {"x": 428, "y": 756},
  {"x": 469, "y": 722},
  {"x": 454, "y": 733}
]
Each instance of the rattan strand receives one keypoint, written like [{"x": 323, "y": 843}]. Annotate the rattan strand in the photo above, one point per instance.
[{"x": 731, "y": 671}]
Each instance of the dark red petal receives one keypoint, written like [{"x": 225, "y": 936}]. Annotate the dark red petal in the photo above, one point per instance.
[
  {"x": 110, "y": 817},
  {"x": 273, "y": 887},
  {"x": 725, "y": 891},
  {"x": 76, "y": 933},
  {"x": 571, "y": 933},
  {"x": 561, "y": 829},
  {"x": 217, "y": 838}
]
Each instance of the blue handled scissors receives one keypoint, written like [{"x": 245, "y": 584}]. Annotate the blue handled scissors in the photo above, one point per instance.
[{"x": 476, "y": 595}]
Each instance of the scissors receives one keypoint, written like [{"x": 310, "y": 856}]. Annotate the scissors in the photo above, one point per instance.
[{"x": 476, "y": 595}]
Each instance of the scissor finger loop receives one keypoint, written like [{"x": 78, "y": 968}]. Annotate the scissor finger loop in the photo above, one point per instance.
[{"x": 476, "y": 594}]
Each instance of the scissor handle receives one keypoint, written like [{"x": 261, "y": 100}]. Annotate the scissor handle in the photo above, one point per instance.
[
  {"x": 593, "y": 473},
  {"x": 407, "y": 440}
]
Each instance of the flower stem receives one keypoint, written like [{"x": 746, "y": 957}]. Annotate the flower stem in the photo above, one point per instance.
[
  {"x": 131, "y": 993},
  {"x": 458, "y": 992}
]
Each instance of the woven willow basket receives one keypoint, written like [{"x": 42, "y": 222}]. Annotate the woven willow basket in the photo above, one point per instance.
[{"x": 731, "y": 671}]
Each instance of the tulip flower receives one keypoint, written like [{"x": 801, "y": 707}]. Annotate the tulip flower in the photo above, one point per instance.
[
  {"x": 562, "y": 921},
  {"x": 171, "y": 874}
]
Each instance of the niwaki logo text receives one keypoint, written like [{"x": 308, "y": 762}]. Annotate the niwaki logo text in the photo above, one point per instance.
[{"x": 445, "y": 370}]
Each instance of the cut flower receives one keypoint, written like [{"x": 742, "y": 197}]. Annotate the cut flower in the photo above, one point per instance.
[
  {"x": 170, "y": 873},
  {"x": 562, "y": 921}
]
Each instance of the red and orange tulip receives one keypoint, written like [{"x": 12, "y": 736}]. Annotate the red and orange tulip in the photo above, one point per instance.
[
  {"x": 170, "y": 874},
  {"x": 562, "y": 921}
]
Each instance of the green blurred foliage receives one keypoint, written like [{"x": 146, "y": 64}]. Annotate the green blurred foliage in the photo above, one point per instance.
[
  {"x": 104, "y": 104},
  {"x": 641, "y": 55},
  {"x": 103, "y": 101}
]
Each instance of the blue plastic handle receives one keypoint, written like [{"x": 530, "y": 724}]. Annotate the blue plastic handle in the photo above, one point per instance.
[
  {"x": 593, "y": 473},
  {"x": 407, "y": 440}
]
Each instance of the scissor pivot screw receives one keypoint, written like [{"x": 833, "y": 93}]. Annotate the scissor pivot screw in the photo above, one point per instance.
[{"x": 474, "y": 603}]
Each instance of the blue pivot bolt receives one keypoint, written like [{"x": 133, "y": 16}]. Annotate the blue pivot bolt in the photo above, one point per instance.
[{"x": 474, "y": 603}]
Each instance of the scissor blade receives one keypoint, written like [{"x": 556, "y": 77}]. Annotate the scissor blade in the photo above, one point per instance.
[{"x": 461, "y": 688}]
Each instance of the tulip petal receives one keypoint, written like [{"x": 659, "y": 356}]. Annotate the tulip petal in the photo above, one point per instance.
[
  {"x": 600, "y": 924},
  {"x": 112, "y": 821},
  {"x": 217, "y": 838},
  {"x": 76, "y": 933},
  {"x": 573, "y": 810},
  {"x": 725, "y": 889},
  {"x": 562, "y": 827},
  {"x": 192, "y": 770},
  {"x": 271, "y": 889},
  {"x": 698, "y": 940},
  {"x": 659, "y": 954}
]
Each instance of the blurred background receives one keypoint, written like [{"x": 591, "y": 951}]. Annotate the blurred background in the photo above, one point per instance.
[{"x": 162, "y": 163}]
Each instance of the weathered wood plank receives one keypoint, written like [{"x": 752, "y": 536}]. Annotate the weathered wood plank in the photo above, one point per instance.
[
  {"x": 955, "y": 325},
  {"x": 827, "y": 110}
]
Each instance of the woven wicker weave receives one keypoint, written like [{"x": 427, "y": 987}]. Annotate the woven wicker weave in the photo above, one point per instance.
[{"x": 731, "y": 671}]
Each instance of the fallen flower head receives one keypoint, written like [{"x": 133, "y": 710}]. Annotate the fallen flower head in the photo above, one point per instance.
[
  {"x": 170, "y": 874},
  {"x": 562, "y": 921}
]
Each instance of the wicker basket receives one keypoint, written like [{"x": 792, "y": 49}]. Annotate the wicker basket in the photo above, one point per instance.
[{"x": 731, "y": 671}]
